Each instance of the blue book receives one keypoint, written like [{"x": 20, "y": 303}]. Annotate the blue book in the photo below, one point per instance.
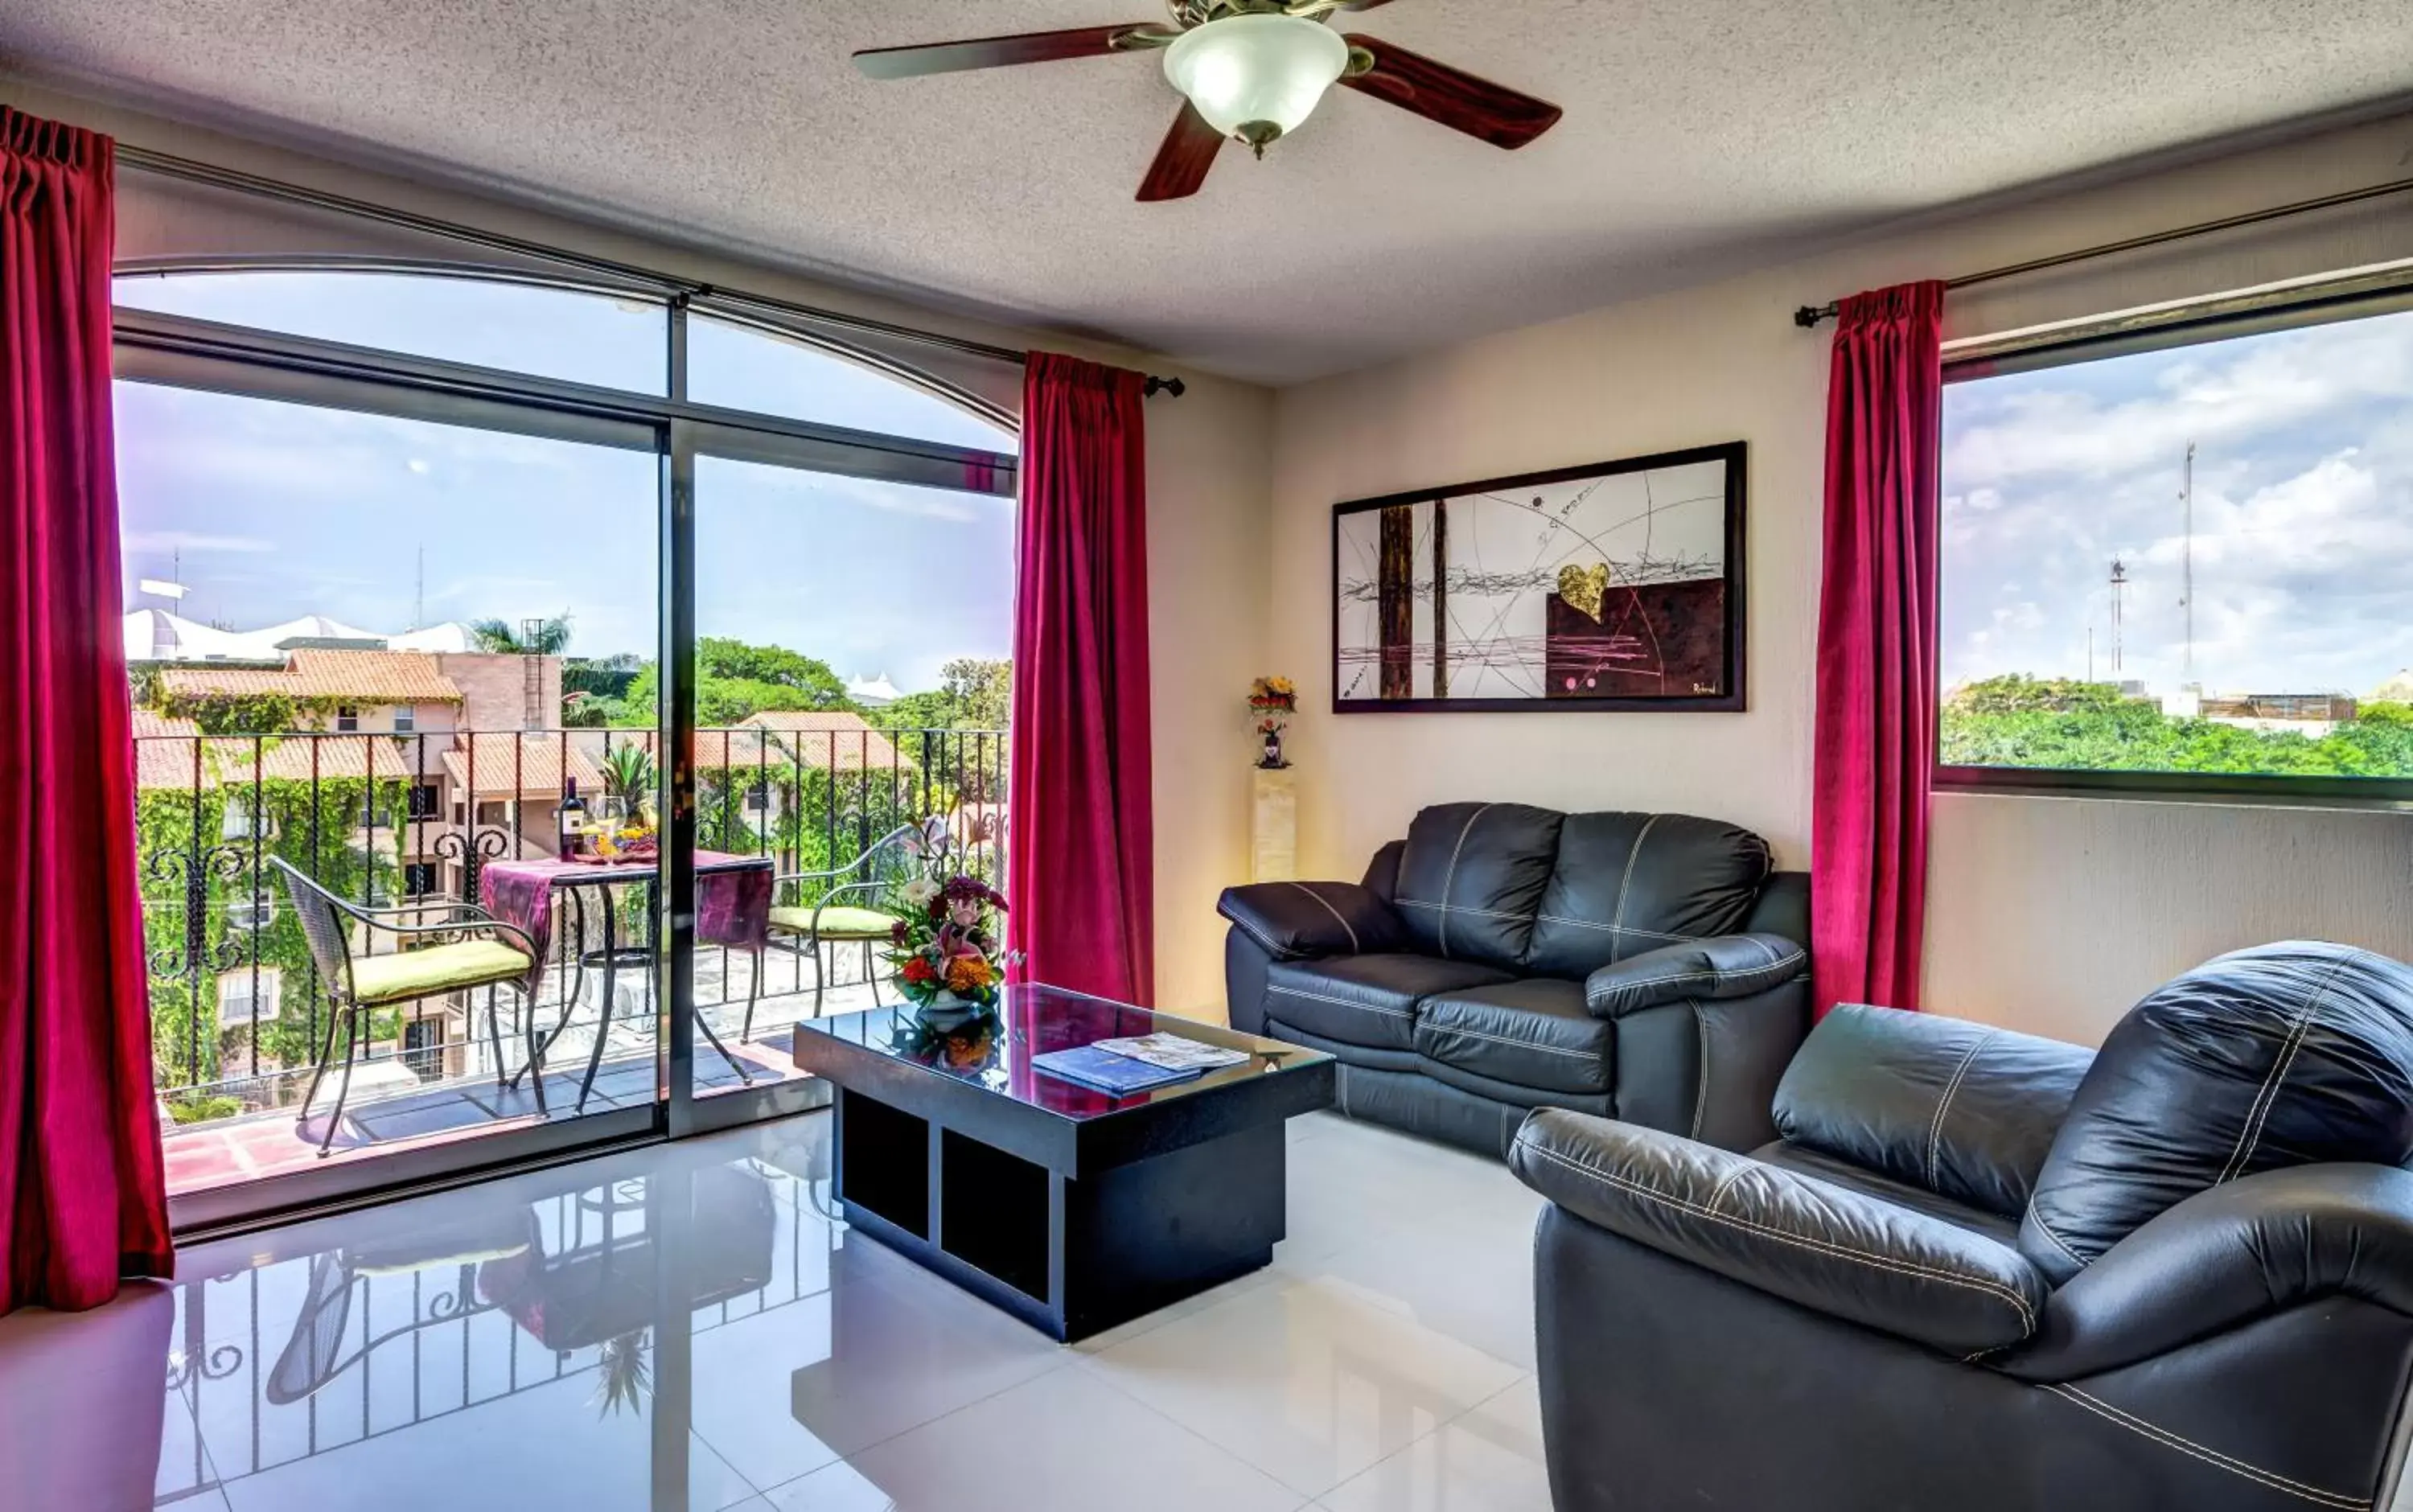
[{"x": 1107, "y": 1071}]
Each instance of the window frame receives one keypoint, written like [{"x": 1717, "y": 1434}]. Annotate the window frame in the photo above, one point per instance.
[
  {"x": 2328, "y": 302},
  {"x": 216, "y": 357}
]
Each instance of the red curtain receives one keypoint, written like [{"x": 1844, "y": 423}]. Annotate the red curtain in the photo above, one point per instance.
[
  {"x": 81, "y": 1182},
  {"x": 1079, "y": 848},
  {"x": 1876, "y": 728}
]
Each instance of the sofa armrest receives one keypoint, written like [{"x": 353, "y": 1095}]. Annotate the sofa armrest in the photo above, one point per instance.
[
  {"x": 2225, "y": 1257},
  {"x": 1792, "y": 1237},
  {"x": 1726, "y": 966},
  {"x": 1298, "y": 921}
]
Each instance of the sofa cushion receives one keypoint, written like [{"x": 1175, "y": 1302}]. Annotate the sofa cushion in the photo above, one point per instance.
[
  {"x": 1535, "y": 1033},
  {"x": 1365, "y": 1000},
  {"x": 1624, "y": 883},
  {"x": 1470, "y": 876},
  {"x": 2292, "y": 1054}
]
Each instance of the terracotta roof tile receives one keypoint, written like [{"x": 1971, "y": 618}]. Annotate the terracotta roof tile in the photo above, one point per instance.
[{"x": 370, "y": 677}]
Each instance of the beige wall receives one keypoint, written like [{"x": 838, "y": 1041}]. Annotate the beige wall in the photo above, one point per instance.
[
  {"x": 2047, "y": 914},
  {"x": 1206, "y": 519}
]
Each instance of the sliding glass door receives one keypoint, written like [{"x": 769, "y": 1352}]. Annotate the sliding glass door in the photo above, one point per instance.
[{"x": 526, "y": 734}]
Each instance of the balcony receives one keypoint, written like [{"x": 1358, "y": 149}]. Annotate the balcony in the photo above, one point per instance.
[{"x": 411, "y": 821}]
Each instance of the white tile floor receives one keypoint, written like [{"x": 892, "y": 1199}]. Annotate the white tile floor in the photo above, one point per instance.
[{"x": 1384, "y": 1361}]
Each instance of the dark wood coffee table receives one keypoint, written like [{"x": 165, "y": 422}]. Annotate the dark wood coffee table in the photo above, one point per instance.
[{"x": 1070, "y": 1209}]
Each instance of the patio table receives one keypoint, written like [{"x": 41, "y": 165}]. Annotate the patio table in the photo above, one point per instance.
[{"x": 732, "y": 905}]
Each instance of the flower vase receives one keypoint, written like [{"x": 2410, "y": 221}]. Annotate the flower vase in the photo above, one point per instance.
[
  {"x": 945, "y": 1012},
  {"x": 1272, "y": 758}
]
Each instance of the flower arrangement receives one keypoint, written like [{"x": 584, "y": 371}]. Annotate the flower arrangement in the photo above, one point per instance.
[
  {"x": 1271, "y": 702},
  {"x": 943, "y": 945}
]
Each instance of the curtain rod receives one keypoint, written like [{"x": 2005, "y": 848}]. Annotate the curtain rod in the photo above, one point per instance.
[
  {"x": 168, "y": 166},
  {"x": 1807, "y": 315}
]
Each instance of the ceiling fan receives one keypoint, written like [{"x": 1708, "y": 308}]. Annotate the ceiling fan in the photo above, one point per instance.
[{"x": 1250, "y": 72}]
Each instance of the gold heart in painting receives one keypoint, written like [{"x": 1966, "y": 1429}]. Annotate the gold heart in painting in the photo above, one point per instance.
[
  {"x": 1613, "y": 586},
  {"x": 1585, "y": 589}
]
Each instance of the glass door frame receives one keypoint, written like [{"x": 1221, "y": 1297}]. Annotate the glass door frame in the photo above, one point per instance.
[{"x": 186, "y": 353}]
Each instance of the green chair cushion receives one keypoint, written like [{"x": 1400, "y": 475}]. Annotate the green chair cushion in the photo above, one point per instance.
[
  {"x": 839, "y": 921},
  {"x": 377, "y": 980}
]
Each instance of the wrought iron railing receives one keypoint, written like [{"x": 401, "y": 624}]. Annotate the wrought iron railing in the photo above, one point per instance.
[{"x": 238, "y": 1017}]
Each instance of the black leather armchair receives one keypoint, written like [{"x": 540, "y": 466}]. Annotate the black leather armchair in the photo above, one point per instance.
[
  {"x": 1984, "y": 1271},
  {"x": 1501, "y": 958}
]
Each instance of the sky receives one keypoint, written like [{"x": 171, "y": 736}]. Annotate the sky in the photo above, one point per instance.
[
  {"x": 2303, "y": 519},
  {"x": 266, "y": 509}
]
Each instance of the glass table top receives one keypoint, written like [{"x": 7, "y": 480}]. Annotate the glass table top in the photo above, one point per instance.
[{"x": 994, "y": 1051}]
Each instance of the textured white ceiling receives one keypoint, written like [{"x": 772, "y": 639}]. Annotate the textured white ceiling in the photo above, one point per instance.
[{"x": 1701, "y": 136}]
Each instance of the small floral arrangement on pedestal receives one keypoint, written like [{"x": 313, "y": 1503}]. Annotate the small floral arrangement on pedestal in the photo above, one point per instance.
[
  {"x": 1271, "y": 702},
  {"x": 944, "y": 946}
]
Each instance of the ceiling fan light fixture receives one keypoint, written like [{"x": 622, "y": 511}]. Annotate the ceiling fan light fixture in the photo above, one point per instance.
[{"x": 1256, "y": 77}]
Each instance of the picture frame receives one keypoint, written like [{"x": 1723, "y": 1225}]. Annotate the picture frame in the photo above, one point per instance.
[{"x": 1613, "y": 586}]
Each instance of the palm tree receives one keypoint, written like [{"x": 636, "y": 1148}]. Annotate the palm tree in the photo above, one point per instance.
[{"x": 534, "y": 637}]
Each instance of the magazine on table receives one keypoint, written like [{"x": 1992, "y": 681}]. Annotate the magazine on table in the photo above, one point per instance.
[
  {"x": 1173, "y": 1052},
  {"x": 1107, "y": 1071}
]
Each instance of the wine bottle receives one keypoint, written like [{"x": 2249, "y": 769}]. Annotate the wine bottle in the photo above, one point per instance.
[{"x": 572, "y": 817}]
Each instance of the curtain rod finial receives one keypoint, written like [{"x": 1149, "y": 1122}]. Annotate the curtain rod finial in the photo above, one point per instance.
[
  {"x": 1173, "y": 386},
  {"x": 1807, "y": 315}
]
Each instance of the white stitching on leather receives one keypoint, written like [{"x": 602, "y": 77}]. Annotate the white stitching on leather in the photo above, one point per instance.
[
  {"x": 1503, "y": 1039},
  {"x": 1613, "y": 929},
  {"x": 1951, "y": 1277},
  {"x": 1935, "y": 1125},
  {"x": 1617, "y": 915},
  {"x": 1354, "y": 946},
  {"x": 2058, "y": 1242},
  {"x": 1345, "y": 1003},
  {"x": 1278, "y": 952},
  {"x": 1450, "y": 877},
  {"x": 1742, "y": 976},
  {"x": 1702, "y": 1089},
  {"x": 1718, "y": 1194},
  {"x": 2259, "y": 1112},
  {"x": 2134, "y": 1424},
  {"x": 1462, "y": 907}
]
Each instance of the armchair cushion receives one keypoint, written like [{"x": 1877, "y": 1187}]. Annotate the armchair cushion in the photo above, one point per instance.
[
  {"x": 1728, "y": 966},
  {"x": 1792, "y": 1237},
  {"x": 410, "y": 974},
  {"x": 839, "y": 922},
  {"x": 2227, "y": 1256},
  {"x": 2294, "y": 1054},
  {"x": 1298, "y": 921},
  {"x": 1961, "y": 1109}
]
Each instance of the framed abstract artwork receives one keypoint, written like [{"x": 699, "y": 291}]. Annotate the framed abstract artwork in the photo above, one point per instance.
[{"x": 1612, "y": 586}]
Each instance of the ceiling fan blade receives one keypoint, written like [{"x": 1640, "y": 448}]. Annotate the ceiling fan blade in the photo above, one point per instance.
[
  {"x": 1182, "y": 162},
  {"x": 997, "y": 52},
  {"x": 1454, "y": 97}
]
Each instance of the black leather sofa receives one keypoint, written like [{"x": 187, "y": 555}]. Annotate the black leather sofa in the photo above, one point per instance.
[
  {"x": 1648, "y": 967},
  {"x": 1983, "y": 1271}
]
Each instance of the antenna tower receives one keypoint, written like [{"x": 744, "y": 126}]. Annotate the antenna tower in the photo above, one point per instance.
[{"x": 2119, "y": 595}]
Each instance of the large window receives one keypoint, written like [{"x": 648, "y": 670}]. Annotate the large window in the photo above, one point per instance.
[
  {"x": 2185, "y": 562},
  {"x": 402, "y": 567}
]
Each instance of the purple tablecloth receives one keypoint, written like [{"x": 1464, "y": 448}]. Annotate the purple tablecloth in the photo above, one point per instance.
[{"x": 732, "y": 897}]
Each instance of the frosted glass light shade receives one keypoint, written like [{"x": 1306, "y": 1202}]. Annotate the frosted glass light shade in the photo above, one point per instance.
[{"x": 1255, "y": 73}]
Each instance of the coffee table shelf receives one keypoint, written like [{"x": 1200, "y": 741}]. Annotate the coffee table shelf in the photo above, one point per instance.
[{"x": 1069, "y": 1208}]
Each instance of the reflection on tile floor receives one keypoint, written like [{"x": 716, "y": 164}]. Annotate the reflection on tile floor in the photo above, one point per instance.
[{"x": 688, "y": 1326}]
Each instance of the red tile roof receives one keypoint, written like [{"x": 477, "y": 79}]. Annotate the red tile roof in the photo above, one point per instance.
[{"x": 369, "y": 676}]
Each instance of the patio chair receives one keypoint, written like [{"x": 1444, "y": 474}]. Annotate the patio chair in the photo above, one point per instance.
[
  {"x": 831, "y": 920},
  {"x": 359, "y": 983}
]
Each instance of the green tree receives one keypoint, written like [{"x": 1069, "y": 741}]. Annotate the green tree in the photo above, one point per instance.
[
  {"x": 734, "y": 679},
  {"x": 973, "y": 693},
  {"x": 537, "y": 638},
  {"x": 2046, "y": 723}
]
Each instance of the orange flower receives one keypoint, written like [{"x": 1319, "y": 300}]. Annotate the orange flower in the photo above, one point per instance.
[{"x": 968, "y": 973}]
